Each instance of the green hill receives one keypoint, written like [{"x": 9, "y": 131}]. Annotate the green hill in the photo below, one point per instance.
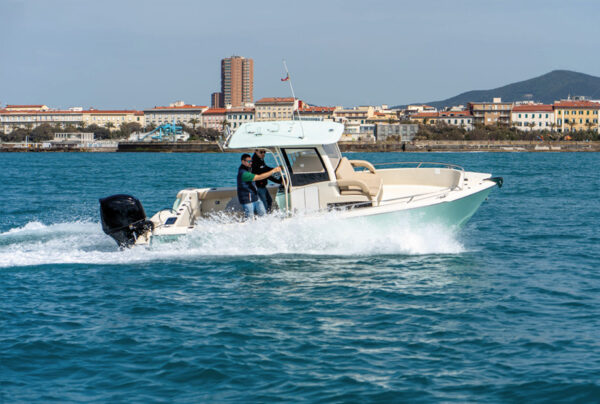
[{"x": 556, "y": 85}]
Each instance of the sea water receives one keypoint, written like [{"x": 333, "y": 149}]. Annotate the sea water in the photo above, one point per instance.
[{"x": 313, "y": 309}]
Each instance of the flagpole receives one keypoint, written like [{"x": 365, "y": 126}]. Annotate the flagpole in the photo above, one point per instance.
[{"x": 289, "y": 79}]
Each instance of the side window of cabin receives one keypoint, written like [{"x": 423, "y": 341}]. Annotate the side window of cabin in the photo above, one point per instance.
[{"x": 305, "y": 166}]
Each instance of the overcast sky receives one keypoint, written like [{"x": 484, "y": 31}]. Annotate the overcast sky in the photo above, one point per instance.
[{"x": 138, "y": 54}]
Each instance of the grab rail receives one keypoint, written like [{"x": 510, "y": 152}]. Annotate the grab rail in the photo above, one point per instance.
[
  {"x": 419, "y": 164},
  {"x": 285, "y": 178}
]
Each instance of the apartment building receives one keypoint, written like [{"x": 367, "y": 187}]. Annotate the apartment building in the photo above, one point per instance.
[
  {"x": 353, "y": 118},
  {"x": 236, "y": 117},
  {"x": 382, "y": 117},
  {"x": 462, "y": 119},
  {"x": 276, "y": 109},
  {"x": 572, "y": 116},
  {"x": 425, "y": 118},
  {"x": 405, "y": 132},
  {"x": 528, "y": 117},
  {"x": 419, "y": 109},
  {"x": 315, "y": 113},
  {"x": 490, "y": 113},
  {"x": 237, "y": 81},
  {"x": 180, "y": 112}
]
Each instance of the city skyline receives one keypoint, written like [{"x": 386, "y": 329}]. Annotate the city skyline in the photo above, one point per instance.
[{"x": 70, "y": 53}]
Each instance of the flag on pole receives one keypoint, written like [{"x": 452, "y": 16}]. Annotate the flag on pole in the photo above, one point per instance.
[{"x": 286, "y": 78}]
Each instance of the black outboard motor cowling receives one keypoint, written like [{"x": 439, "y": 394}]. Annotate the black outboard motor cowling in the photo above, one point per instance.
[{"x": 123, "y": 218}]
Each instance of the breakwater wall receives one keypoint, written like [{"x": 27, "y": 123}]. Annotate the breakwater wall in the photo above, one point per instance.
[
  {"x": 471, "y": 145},
  {"x": 416, "y": 146},
  {"x": 168, "y": 147}
]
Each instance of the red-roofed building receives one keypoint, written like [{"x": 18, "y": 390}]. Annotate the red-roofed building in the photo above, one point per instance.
[
  {"x": 237, "y": 116},
  {"x": 462, "y": 119},
  {"x": 30, "y": 117},
  {"x": 27, "y": 108},
  {"x": 574, "y": 116},
  {"x": 112, "y": 119},
  {"x": 529, "y": 117},
  {"x": 214, "y": 118},
  {"x": 315, "y": 113},
  {"x": 276, "y": 108},
  {"x": 425, "y": 118},
  {"x": 180, "y": 112}
]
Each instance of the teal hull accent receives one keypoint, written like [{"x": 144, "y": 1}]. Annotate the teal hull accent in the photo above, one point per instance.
[{"x": 448, "y": 214}]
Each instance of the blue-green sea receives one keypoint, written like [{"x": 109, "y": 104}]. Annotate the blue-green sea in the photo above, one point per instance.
[{"x": 305, "y": 310}]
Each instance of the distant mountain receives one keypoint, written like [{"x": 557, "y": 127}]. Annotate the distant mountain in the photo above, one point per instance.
[{"x": 556, "y": 85}]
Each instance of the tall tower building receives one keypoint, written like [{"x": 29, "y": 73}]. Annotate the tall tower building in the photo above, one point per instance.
[{"x": 237, "y": 80}]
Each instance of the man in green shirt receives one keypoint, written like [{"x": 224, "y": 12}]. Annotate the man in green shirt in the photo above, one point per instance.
[{"x": 246, "y": 189}]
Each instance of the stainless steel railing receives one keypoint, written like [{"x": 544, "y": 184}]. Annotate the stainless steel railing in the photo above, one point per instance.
[{"x": 421, "y": 164}]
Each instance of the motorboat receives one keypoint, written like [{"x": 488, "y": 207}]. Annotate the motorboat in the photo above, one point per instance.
[{"x": 315, "y": 178}]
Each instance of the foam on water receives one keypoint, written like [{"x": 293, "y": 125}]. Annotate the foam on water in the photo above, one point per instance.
[{"x": 327, "y": 234}]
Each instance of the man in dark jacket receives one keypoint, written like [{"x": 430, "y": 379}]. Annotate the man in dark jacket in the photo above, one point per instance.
[
  {"x": 259, "y": 167},
  {"x": 246, "y": 190}
]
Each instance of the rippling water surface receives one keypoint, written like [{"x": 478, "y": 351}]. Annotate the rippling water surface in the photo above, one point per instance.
[{"x": 312, "y": 309}]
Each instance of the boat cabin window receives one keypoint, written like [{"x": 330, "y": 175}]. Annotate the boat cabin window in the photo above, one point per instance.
[
  {"x": 305, "y": 166},
  {"x": 333, "y": 152}
]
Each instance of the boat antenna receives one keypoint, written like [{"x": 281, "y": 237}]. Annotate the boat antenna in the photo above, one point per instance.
[{"x": 289, "y": 80}]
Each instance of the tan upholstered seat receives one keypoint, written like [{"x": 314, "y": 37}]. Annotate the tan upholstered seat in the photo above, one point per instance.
[{"x": 366, "y": 183}]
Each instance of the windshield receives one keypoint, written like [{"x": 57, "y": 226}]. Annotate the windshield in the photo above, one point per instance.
[{"x": 333, "y": 152}]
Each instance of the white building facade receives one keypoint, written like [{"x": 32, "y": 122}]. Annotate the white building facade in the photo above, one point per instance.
[
  {"x": 180, "y": 112},
  {"x": 236, "y": 117},
  {"x": 532, "y": 117}
]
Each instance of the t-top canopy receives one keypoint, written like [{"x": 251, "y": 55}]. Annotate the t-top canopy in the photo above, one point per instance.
[{"x": 285, "y": 134}]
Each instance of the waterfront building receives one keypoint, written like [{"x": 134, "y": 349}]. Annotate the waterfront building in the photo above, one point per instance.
[
  {"x": 528, "y": 117},
  {"x": 276, "y": 108},
  {"x": 462, "y": 119},
  {"x": 30, "y": 108},
  {"x": 214, "y": 118},
  {"x": 404, "y": 132},
  {"x": 112, "y": 119},
  {"x": 353, "y": 118},
  {"x": 31, "y": 116},
  {"x": 383, "y": 117},
  {"x": 180, "y": 112},
  {"x": 572, "y": 116},
  {"x": 237, "y": 81},
  {"x": 359, "y": 133},
  {"x": 425, "y": 118},
  {"x": 490, "y": 113},
  {"x": 315, "y": 113},
  {"x": 419, "y": 109},
  {"x": 237, "y": 116}
]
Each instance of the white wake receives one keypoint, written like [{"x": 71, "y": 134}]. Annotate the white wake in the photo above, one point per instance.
[{"x": 328, "y": 234}]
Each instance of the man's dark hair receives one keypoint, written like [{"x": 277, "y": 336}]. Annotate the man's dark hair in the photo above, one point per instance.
[{"x": 245, "y": 156}]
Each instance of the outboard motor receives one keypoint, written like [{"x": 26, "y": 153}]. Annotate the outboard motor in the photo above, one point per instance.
[{"x": 123, "y": 218}]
